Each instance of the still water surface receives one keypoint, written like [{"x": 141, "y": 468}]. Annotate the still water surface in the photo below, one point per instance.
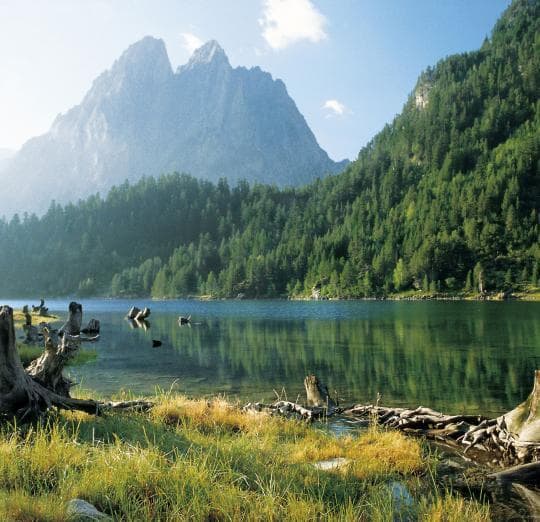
[{"x": 453, "y": 356}]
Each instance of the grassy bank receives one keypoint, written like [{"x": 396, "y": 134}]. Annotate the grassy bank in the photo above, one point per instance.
[{"x": 208, "y": 460}]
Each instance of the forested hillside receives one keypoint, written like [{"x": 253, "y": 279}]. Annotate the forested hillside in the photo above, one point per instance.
[{"x": 446, "y": 197}]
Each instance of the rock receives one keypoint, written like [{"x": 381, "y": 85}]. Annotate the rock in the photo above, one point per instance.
[
  {"x": 331, "y": 464},
  {"x": 81, "y": 511}
]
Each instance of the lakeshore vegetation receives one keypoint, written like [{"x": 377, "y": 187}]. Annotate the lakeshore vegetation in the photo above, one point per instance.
[
  {"x": 444, "y": 198},
  {"x": 208, "y": 460}
]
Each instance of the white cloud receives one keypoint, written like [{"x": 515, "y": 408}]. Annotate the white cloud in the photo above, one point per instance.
[
  {"x": 286, "y": 22},
  {"x": 335, "y": 108},
  {"x": 191, "y": 42}
]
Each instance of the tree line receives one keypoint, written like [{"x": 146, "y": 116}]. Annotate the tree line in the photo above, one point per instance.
[{"x": 444, "y": 198}]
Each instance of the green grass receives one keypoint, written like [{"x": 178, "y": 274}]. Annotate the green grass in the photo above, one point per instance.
[
  {"x": 19, "y": 318},
  {"x": 28, "y": 353},
  {"x": 208, "y": 460}
]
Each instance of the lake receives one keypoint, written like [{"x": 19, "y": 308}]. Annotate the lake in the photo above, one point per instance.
[{"x": 452, "y": 356}]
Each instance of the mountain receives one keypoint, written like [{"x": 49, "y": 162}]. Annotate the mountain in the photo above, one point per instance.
[
  {"x": 5, "y": 156},
  {"x": 140, "y": 118},
  {"x": 445, "y": 198}
]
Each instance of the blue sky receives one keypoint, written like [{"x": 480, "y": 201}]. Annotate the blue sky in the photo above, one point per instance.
[{"x": 348, "y": 64}]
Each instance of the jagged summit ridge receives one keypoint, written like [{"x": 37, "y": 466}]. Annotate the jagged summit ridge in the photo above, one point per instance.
[
  {"x": 210, "y": 52},
  {"x": 139, "y": 119}
]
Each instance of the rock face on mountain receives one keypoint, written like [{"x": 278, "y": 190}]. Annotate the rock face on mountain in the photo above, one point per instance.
[{"x": 141, "y": 118}]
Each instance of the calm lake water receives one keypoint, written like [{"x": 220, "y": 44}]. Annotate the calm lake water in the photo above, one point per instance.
[{"x": 453, "y": 356}]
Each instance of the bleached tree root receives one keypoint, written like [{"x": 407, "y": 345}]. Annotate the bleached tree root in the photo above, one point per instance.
[
  {"x": 515, "y": 442},
  {"x": 27, "y": 394}
]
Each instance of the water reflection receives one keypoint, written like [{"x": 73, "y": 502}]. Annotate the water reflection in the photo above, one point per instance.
[{"x": 476, "y": 357}]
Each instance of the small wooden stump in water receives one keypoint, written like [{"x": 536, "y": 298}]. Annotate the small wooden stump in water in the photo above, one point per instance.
[{"x": 317, "y": 393}]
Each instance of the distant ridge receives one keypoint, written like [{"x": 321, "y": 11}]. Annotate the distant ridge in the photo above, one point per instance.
[{"x": 140, "y": 118}]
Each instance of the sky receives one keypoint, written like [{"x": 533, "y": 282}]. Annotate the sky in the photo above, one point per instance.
[{"x": 348, "y": 64}]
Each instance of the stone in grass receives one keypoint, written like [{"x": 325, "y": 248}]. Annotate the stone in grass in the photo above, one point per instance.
[
  {"x": 331, "y": 464},
  {"x": 79, "y": 510}
]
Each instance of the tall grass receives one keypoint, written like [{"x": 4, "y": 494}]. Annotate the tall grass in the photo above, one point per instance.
[{"x": 208, "y": 460}]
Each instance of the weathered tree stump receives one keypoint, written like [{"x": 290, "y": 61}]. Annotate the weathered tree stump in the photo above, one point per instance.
[
  {"x": 137, "y": 314},
  {"x": 143, "y": 314},
  {"x": 60, "y": 347},
  {"x": 24, "y": 396},
  {"x": 92, "y": 327},
  {"x": 41, "y": 309},
  {"x": 32, "y": 334},
  {"x": 524, "y": 420},
  {"x": 317, "y": 393},
  {"x": 133, "y": 312}
]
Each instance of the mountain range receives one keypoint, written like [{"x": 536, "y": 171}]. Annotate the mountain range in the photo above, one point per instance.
[
  {"x": 445, "y": 199},
  {"x": 140, "y": 118}
]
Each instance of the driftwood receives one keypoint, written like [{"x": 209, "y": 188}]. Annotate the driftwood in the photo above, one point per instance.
[
  {"x": 513, "y": 438},
  {"x": 25, "y": 395},
  {"x": 509, "y": 439},
  {"x": 286, "y": 409},
  {"x": 320, "y": 404}
]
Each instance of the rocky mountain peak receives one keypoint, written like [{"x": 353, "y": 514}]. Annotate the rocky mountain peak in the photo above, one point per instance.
[
  {"x": 139, "y": 119},
  {"x": 209, "y": 53},
  {"x": 147, "y": 56}
]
